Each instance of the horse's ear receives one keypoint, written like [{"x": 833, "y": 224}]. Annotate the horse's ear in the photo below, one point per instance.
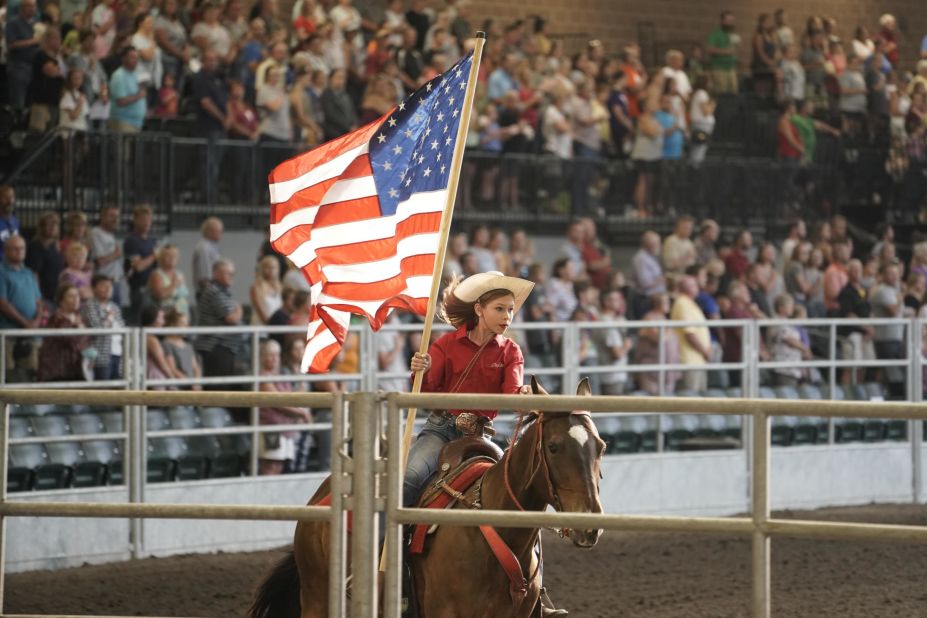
[
  {"x": 536, "y": 387},
  {"x": 583, "y": 389}
]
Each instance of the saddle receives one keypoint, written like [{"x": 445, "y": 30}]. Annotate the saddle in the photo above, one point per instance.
[{"x": 461, "y": 463}]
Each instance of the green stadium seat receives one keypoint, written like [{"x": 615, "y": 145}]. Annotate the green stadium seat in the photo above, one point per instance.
[
  {"x": 875, "y": 391},
  {"x": 874, "y": 430},
  {"x": 809, "y": 391},
  {"x": 85, "y": 423},
  {"x": 837, "y": 395},
  {"x": 896, "y": 430},
  {"x": 113, "y": 421},
  {"x": 51, "y": 425},
  {"x": 849, "y": 431}
]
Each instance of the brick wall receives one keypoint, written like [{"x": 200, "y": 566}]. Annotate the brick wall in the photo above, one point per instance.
[{"x": 669, "y": 23}]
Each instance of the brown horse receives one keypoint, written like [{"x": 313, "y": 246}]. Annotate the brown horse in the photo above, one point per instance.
[{"x": 555, "y": 461}]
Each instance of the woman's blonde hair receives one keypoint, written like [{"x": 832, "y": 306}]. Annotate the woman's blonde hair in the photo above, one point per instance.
[{"x": 457, "y": 312}]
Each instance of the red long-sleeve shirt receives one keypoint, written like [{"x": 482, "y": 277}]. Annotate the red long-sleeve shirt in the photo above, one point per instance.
[{"x": 499, "y": 369}]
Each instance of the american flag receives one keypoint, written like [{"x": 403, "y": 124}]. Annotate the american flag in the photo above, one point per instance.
[{"x": 360, "y": 214}]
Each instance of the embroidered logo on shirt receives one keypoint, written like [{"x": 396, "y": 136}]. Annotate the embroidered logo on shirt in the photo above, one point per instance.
[{"x": 496, "y": 365}]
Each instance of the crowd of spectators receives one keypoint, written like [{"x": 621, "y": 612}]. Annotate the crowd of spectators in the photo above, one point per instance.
[
  {"x": 101, "y": 276},
  {"x": 327, "y": 66}
]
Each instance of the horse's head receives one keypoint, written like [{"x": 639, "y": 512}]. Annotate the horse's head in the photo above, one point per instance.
[{"x": 570, "y": 460}]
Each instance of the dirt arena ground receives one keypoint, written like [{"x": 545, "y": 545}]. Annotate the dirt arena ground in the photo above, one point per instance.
[{"x": 627, "y": 574}]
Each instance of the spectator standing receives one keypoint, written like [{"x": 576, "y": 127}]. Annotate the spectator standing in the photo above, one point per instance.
[
  {"x": 835, "y": 277},
  {"x": 75, "y": 272},
  {"x": 890, "y": 36},
  {"x": 73, "y": 108},
  {"x": 854, "y": 303},
  {"x": 266, "y": 291},
  {"x": 277, "y": 449},
  {"x": 572, "y": 249},
  {"x": 206, "y": 253},
  {"x": 128, "y": 104},
  {"x": 166, "y": 285},
  {"x": 100, "y": 312},
  {"x": 48, "y": 71},
  {"x": 596, "y": 257},
  {"x": 722, "y": 55},
  {"x": 107, "y": 253},
  {"x": 766, "y": 56},
  {"x": 75, "y": 230},
  {"x": 409, "y": 59},
  {"x": 210, "y": 35},
  {"x": 754, "y": 280},
  {"x": 150, "y": 68},
  {"x": 678, "y": 249},
  {"x": 171, "y": 34},
  {"x": 853, "y": 103},
  {"x": 291, "y": 300},
  {"x": 20, "y": 297},
  {"x": 785, "y": 344},
  {"x": 337, "y": 107},
  {"x": 211, "y": 96},
  {"x": 61, "y": 359},
  {"x": 705, "y": 243},
  {"x": 301, "y": 106},
  {"x": 646, "y": 154},
  {"x": 178, "y": 353},
  {"x": 694, "y": 341},
  {"x": 647, "y": 351},
  {"x": 103, "y": 23},
  {"x": 479, "y": 248},
  {"x": 587, "y": 144},
  {"x": 22, "y": 45},
  {"x": 737, "y": 261},
  {"x": 218, "y": 308},
  {"x": 139, "y": 249},
  {"x": 43, "y": 256},
  {"x": 612, "y": 345},
  {"x": 9, "y": 224},
  {"x": 647, "y": 275},
  {"x": 621, "y": 124},
  {"x": 793, "y": 74},
  {"x": 274, "y": 109},
  {"x": 278, "y": 59},
  {"x": 95, "y": 85},
  {"x": 156, "y": 366},
  {"x": 560, "y": 294},
  {"x": 886, "y": 301},
  {"x": 784, "y": 34},
  {"x": 702, "y": 117},
  {"x": 738, "y": 307},
  {"x": 797, "y": 233}
]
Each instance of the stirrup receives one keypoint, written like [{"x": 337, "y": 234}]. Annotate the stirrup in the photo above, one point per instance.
[{"x": 547, "y": 606}]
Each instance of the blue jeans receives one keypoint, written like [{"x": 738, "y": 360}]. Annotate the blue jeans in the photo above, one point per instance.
[{"x": 423, "y": 455}]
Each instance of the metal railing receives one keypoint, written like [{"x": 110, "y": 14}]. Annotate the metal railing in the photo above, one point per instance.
[
  {"x": 368, "y": 376},
  {"x": 354, "y": 480}
]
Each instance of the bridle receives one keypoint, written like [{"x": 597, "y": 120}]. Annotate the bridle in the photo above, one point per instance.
[{"x": 542, "y": 464}]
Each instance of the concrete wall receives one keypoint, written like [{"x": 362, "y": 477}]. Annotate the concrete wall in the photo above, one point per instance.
[{"x": 707, "y": 484}]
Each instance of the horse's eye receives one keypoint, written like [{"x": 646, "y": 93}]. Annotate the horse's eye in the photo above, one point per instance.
[{"x": 553, "y": 447}]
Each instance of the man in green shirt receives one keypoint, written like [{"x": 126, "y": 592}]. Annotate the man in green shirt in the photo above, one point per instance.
[{"x": 722, "y": 55}]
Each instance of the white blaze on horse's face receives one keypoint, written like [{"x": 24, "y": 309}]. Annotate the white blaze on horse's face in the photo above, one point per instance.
[{"x": 579, "y": 433}]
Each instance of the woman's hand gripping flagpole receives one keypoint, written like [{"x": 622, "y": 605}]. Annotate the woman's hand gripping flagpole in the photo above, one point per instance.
[{"x": 446, "y": 217}]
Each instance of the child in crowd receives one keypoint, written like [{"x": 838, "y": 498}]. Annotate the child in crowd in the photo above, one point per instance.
[{"x": 167, "y": 98}]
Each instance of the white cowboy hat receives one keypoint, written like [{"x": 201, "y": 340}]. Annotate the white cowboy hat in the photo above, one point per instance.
[{"x": 473, "y": 287}]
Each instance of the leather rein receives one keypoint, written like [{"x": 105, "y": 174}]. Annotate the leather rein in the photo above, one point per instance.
[{"x": 518, "y": 583}]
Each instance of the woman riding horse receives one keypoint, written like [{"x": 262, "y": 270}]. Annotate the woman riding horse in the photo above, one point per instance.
[{"x": 476, "y": 358}]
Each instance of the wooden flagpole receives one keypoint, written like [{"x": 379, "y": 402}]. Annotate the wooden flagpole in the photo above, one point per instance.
[{"x": 444, "y": 232}]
